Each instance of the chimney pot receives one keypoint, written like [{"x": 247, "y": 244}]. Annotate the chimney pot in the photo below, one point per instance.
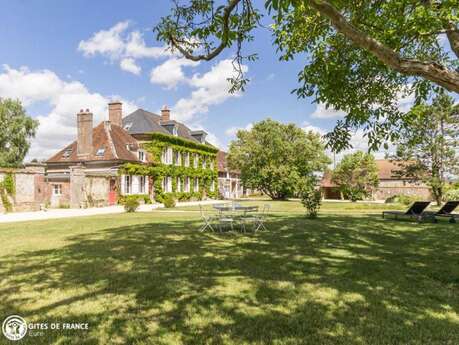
[
  {"x": 115, "y": 113},
  {"x": 165, "y": 114}
]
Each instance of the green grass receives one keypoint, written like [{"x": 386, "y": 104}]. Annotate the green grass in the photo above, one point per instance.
[{"x": 348, "y": 277}]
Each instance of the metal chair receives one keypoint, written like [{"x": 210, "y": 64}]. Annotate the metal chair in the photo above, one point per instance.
[
  {"x": 207, "y": 220},
  {"x": 259, "y": 220}
]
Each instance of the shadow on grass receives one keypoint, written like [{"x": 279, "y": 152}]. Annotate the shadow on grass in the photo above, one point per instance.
[{"x": 334, "y": 280}]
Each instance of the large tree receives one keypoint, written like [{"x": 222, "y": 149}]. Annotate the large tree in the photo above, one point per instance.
[
  {"x": 277, "y": 158},
  {"x": 356, "y": 175},
  {"x": 427, "y": 148},
  {"x": 16, "y": 129},
  {"x": 361, "y": 56}
]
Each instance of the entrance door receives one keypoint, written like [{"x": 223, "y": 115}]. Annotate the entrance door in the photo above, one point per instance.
[{"x": 112, "y": 197}]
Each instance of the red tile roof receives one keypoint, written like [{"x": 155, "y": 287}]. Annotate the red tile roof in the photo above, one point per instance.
[
  {"x": 113, "y": 139},
  {"x": 223, "y": 164},
  {"x": 386, "y": 171}
]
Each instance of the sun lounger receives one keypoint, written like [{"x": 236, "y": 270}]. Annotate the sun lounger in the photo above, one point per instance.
[
  {"x": 446, "y": 211},
  {"x": 416, "y": 211}
]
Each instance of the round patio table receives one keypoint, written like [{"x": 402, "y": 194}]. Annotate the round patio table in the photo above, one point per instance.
[{"x": 234, "y": 208}]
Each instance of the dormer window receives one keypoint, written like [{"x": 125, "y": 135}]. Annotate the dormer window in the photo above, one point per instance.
[
  {"x": 67, "y": 153},
  {"x": 100, "y": 152},
  {"x": 142, "y": 156},
  {"x": 174, "y": 131},
  {"x": 128, "y": 126}
]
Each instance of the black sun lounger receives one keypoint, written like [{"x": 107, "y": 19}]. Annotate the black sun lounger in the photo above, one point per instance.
[
  {"x": 416, "y": 211},
  {"x": 446, "y": 211}
]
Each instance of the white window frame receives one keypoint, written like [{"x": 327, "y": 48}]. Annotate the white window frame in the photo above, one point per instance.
[
  {"x": 167, "y": 184},
  {"x": 127, "y": 184},
  {"x": 142, "y": 184},
  {"x": 196, "y": 184},
  {"x": 167, "y": 156},
  {"x": 142, "y": 156},
  {"x": 212, "y": 186},
  {"x": 178, "y": 158},
  {"x": 179, "y": 184},
  {"x": 186, "y": 159},
  {"x": 212, "y": 165},
  {"x": 187, "y": 184},
  {"x": 204, "y": 163},
  {"x": 57, "y": 189},
  {"x": 195, "y": 160}
]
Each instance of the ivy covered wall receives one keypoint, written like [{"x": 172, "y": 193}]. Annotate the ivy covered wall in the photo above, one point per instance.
[{"x": 157, "y": 170}]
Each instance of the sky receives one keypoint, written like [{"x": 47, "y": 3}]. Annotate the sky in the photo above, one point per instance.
[{"x": 58, "y": 57}]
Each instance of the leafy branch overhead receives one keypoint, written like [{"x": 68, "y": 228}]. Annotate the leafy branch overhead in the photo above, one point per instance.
[{"x": 361, "y": 56}]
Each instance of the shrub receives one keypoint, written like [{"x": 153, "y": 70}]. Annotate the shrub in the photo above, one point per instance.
[
  {"x": 452, "y": 194},
  {"x": 146, "y": 199},
  {"x": 131, "y": 203},
  {"x": 403, "y": 199},
  {"x": 311, "y": 199},
  {"x": 169, "y": 201}
]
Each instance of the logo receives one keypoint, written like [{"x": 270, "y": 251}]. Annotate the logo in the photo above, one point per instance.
[{"x": 14, "y": 327}]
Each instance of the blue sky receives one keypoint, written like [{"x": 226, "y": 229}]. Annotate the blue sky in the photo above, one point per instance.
[{"x": 60, "y": 56}]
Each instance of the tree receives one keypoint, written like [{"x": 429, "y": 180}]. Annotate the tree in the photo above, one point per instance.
[
  {"x": 427, "y": 146},
  {"x": 16, "y": 129},
  {"x": 356, "y": 175},
  {"x": 361, "y": 56},
  {"x": 277, "y": 158}
]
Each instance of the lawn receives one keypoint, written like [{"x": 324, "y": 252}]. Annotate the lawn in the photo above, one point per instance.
[{"x": 348, "y": 277}]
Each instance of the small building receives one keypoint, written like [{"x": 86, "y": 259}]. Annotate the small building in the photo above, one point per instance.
[
  {"x": 229, "y": 180},
  {"x": 390, "y": 184}
]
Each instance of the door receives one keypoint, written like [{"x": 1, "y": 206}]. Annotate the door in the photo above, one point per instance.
[{"x": 112, "y": 195}]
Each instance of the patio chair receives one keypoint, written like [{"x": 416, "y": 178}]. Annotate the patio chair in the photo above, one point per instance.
[
  {"x": 207, "y": 220},
  {"x": 446, "y": 211},
  {"x": 416, "y": 210},
  {"x": 259, "y": 220}
]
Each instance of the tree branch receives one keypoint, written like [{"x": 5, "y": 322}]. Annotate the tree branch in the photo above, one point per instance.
[
  {"x": 432, "y": 71},
  {"x": 453, "y": 37},
  {"x": 223, "y": 43}
]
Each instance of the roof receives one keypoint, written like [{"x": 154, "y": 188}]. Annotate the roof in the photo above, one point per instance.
[
  {"x": 386, "y": 171},
  {"x": 111, "y": 138},
  {"x": 142, "y": 121},
  {"x": 222, "y": 163}
]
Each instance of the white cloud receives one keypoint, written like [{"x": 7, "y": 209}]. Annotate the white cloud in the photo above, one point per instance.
[
  {"x": 119, "y": 45},
  {"x": 105, "y": 42},
  {"x": 65, "y": 98},
  {"x": 212, "y": 88},
  {"x": 321, "y": 112},
  {"x": 129, "y": 65},
  {"x": 306, "y": 126},
  {"x": 170, "y": 73},
  {"x": 232, "y": 131}
]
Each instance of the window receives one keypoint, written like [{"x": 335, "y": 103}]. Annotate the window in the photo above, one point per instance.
[
  {"x": 195, "y": 160},
  {"x": 167, "y": 184},
  {"x": 196, "y": 184},
  {"x": 178, "y": 158},
  {"x": 212, "y": 186},
  {"x": 187, "y": 184},
  {"x": 186, "y": 159},
  {"x": 127, "y": 184},
  {"x": 142, "y": 184},
  {"x": 179, "y": 184},
  {"x": 100, "y": 152},
  {"x": 174, "y": 131},
  {"x": 167, "y": 155},
  {"x": 204, "y": 163},
  {"x": 128, "y": 126},
  {"x": 212, "y": 165},
  {"x": 142, "y": 156},
  {"x": 57, "y": 189},
  {"x": 67, "y": 153}
]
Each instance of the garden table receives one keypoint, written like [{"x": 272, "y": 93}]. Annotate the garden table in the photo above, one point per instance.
[{"x": 222, "y": 209}]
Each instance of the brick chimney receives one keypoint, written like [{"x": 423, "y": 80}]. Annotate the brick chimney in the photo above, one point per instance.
[
  {"x": 165, "y": 114},
  {"x": 84, "y": 140},
  {"x": 115, "y": 113}
]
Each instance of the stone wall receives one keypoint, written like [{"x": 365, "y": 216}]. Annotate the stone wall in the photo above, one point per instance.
[{"x": 30, "y": 188}]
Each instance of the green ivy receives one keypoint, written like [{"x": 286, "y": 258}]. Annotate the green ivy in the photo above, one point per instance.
[
  {"x": 158, "y": 170},
  {"x": 7, "y": 188}
]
